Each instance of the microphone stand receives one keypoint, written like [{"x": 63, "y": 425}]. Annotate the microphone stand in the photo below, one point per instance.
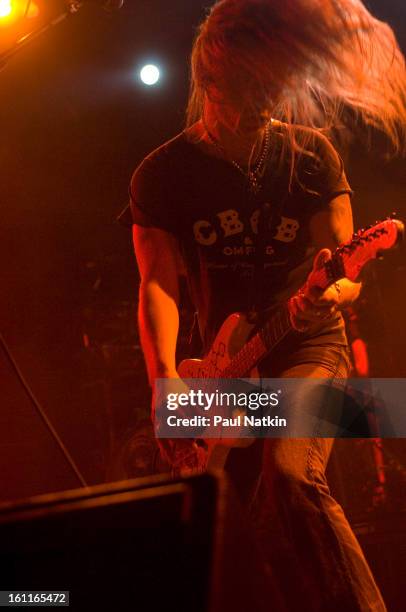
[{"x": 72, "y": 8}]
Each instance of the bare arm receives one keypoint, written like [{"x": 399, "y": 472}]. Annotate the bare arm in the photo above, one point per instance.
[
  {"x": 328, "y": 229},
  {"x": 334, "y": 225},
  {"x": 158, "y": 261},
  {"x": 160, "y": 264}
]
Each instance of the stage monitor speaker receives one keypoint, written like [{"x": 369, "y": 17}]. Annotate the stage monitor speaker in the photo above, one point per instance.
[{"x": 135, "y": 545}]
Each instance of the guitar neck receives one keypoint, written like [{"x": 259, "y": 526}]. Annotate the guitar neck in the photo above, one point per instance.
[
  {"x": 261, "y": 343},
  {"x": 274, "y": 330},
  {"x": 347, "y": 261}
]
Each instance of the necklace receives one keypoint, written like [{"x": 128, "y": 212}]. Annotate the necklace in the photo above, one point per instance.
[{"x": 255, "y": 174}]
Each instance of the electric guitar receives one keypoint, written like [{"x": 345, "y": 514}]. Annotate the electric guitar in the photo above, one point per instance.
[{"x": 240, "y": 345}]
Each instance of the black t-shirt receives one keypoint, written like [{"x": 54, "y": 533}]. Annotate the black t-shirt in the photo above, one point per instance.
[{"x": 206, "y": 204}]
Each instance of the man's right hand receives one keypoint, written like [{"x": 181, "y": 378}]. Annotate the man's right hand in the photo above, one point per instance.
[{"x": 184, "y": 455}]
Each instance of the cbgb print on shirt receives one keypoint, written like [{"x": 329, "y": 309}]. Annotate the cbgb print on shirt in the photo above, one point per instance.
[{"x": 236, "y": 235}]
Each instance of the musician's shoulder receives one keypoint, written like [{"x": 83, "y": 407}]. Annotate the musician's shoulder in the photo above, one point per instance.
[
  {"x": 303, "y": 134},
  {"x": 169, "y": 148},
  {"x": 165, "y": 160}
]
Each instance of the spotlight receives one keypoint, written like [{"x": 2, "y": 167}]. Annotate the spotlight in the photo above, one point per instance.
[
  {"x": 149, "y": 74},
  {"x": 5, "y": 8}
]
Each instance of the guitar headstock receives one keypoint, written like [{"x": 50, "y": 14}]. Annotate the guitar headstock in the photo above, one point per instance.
[{"x": 366, "y": 244}]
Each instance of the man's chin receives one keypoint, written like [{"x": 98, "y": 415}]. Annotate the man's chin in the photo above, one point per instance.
[
  {"x": 245, "y": 129},
  {"x": 251, "y": 125}
]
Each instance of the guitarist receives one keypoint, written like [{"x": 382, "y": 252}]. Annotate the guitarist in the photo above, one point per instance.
[{"x": 244, "y": 202}]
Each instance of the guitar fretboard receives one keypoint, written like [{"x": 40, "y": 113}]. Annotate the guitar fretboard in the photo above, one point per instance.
[{"x": 347, "y": 261}]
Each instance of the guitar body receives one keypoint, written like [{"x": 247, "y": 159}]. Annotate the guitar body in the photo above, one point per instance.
[{"x": 231, "y": 337}]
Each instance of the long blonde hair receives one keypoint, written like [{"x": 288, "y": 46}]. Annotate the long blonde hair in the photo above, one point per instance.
[{"x": 317, "y": 63}]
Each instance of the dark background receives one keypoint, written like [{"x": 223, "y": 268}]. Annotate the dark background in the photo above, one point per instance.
[{"x": 75, "y": 121}]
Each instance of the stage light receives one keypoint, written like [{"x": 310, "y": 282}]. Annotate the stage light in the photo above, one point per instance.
[
  {"x": 5, "y": 8},
  {"x": 149, "y": 74}
]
